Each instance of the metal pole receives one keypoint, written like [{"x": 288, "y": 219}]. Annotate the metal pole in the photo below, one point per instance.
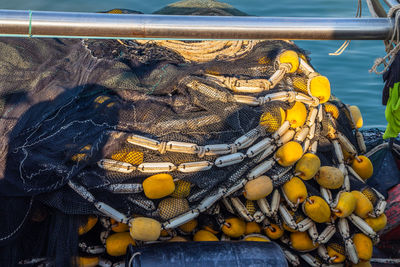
[{"x": 134, "y": 26}]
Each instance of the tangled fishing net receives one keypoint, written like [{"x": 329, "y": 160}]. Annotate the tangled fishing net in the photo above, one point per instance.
[{"x": 171, "y": 140}]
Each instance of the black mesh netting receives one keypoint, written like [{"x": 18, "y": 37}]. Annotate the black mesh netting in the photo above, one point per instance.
[
  {"x": 66, "y": 104},
  {"x": 59, "y": 122}
]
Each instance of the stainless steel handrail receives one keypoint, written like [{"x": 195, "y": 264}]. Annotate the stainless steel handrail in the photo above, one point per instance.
[{"x": 134, "y": 26}]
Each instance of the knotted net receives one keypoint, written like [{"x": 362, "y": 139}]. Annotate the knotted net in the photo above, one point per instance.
[{"x": 66, "y": 105}]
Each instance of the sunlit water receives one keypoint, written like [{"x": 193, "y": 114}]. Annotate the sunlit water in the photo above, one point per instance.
[{"x": 348, "y": 73}]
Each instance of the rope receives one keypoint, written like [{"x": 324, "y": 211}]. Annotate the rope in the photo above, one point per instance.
[
  {"x": 340, "y": 49},
  {"x": 393, "y": 10},
  {"x": 379, "y": 147},
  {"x": 202, "y": 152},
  {"x": 130, "y": 263},
  {"x": 346, "y": 43},
  {"x": 21, "y": 223},
  {"x": 391, "y": 52},
  {"x": 233, "y": 148},
  {"x": 163, "y": 148}
]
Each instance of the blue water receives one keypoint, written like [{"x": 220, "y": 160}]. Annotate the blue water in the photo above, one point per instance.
[{"x": 348, "y": 73}]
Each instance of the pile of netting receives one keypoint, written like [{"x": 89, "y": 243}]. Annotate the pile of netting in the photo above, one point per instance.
[{"x": 133, "y": 142}]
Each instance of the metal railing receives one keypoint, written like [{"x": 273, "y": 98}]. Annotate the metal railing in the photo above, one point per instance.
[
  {"x": 19, "y": 23},
  {"x": 126, "y": 26}
]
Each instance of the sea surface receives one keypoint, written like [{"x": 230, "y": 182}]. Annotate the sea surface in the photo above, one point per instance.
[{"x": 348, "y": 73}]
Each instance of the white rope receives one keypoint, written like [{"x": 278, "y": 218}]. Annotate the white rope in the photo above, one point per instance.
[
  {"x": 163, "y": 148},
  {"x": 341, "y": 49},
  {"x": 130, "y": 263},
  {"x": 391, "y": 52},
  {"x": 346, "y": 43},
  {"x": 21, "y": 223},
  {"x": 379, "y": 147},
  {"x": 376, "y": 149}
]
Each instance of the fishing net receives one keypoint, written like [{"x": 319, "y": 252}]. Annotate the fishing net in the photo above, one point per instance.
[{"x": 69, "y": 109}]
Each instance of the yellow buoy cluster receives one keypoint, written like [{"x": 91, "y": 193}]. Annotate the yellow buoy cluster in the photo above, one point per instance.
[
  {"x": 291, "y": 58},
  {"x": 145, "y": 229},
  {"x": 308, "y": 166},
  {"x": 90, "y": 223},
  {"x": 363, "y": 166},
  {"x": 116, "y": 244},
  {"x": 295, "y": 190},
  {"x": 289, "y": 153},
  {"x": 346, "y": 204},
  {"x": 296, "y": 198},
  {"x": 273, "y": 119},
  {"x": 317, "y": 209},
  {"x": 258, "y": 188},
  {"x": 320, "y": 88},
  {"x": 296, "y": 115},
  {"x": 335, "y": 200},
  {"x": 330, "y": 177},
  {"x": 158, "y": 186}
]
